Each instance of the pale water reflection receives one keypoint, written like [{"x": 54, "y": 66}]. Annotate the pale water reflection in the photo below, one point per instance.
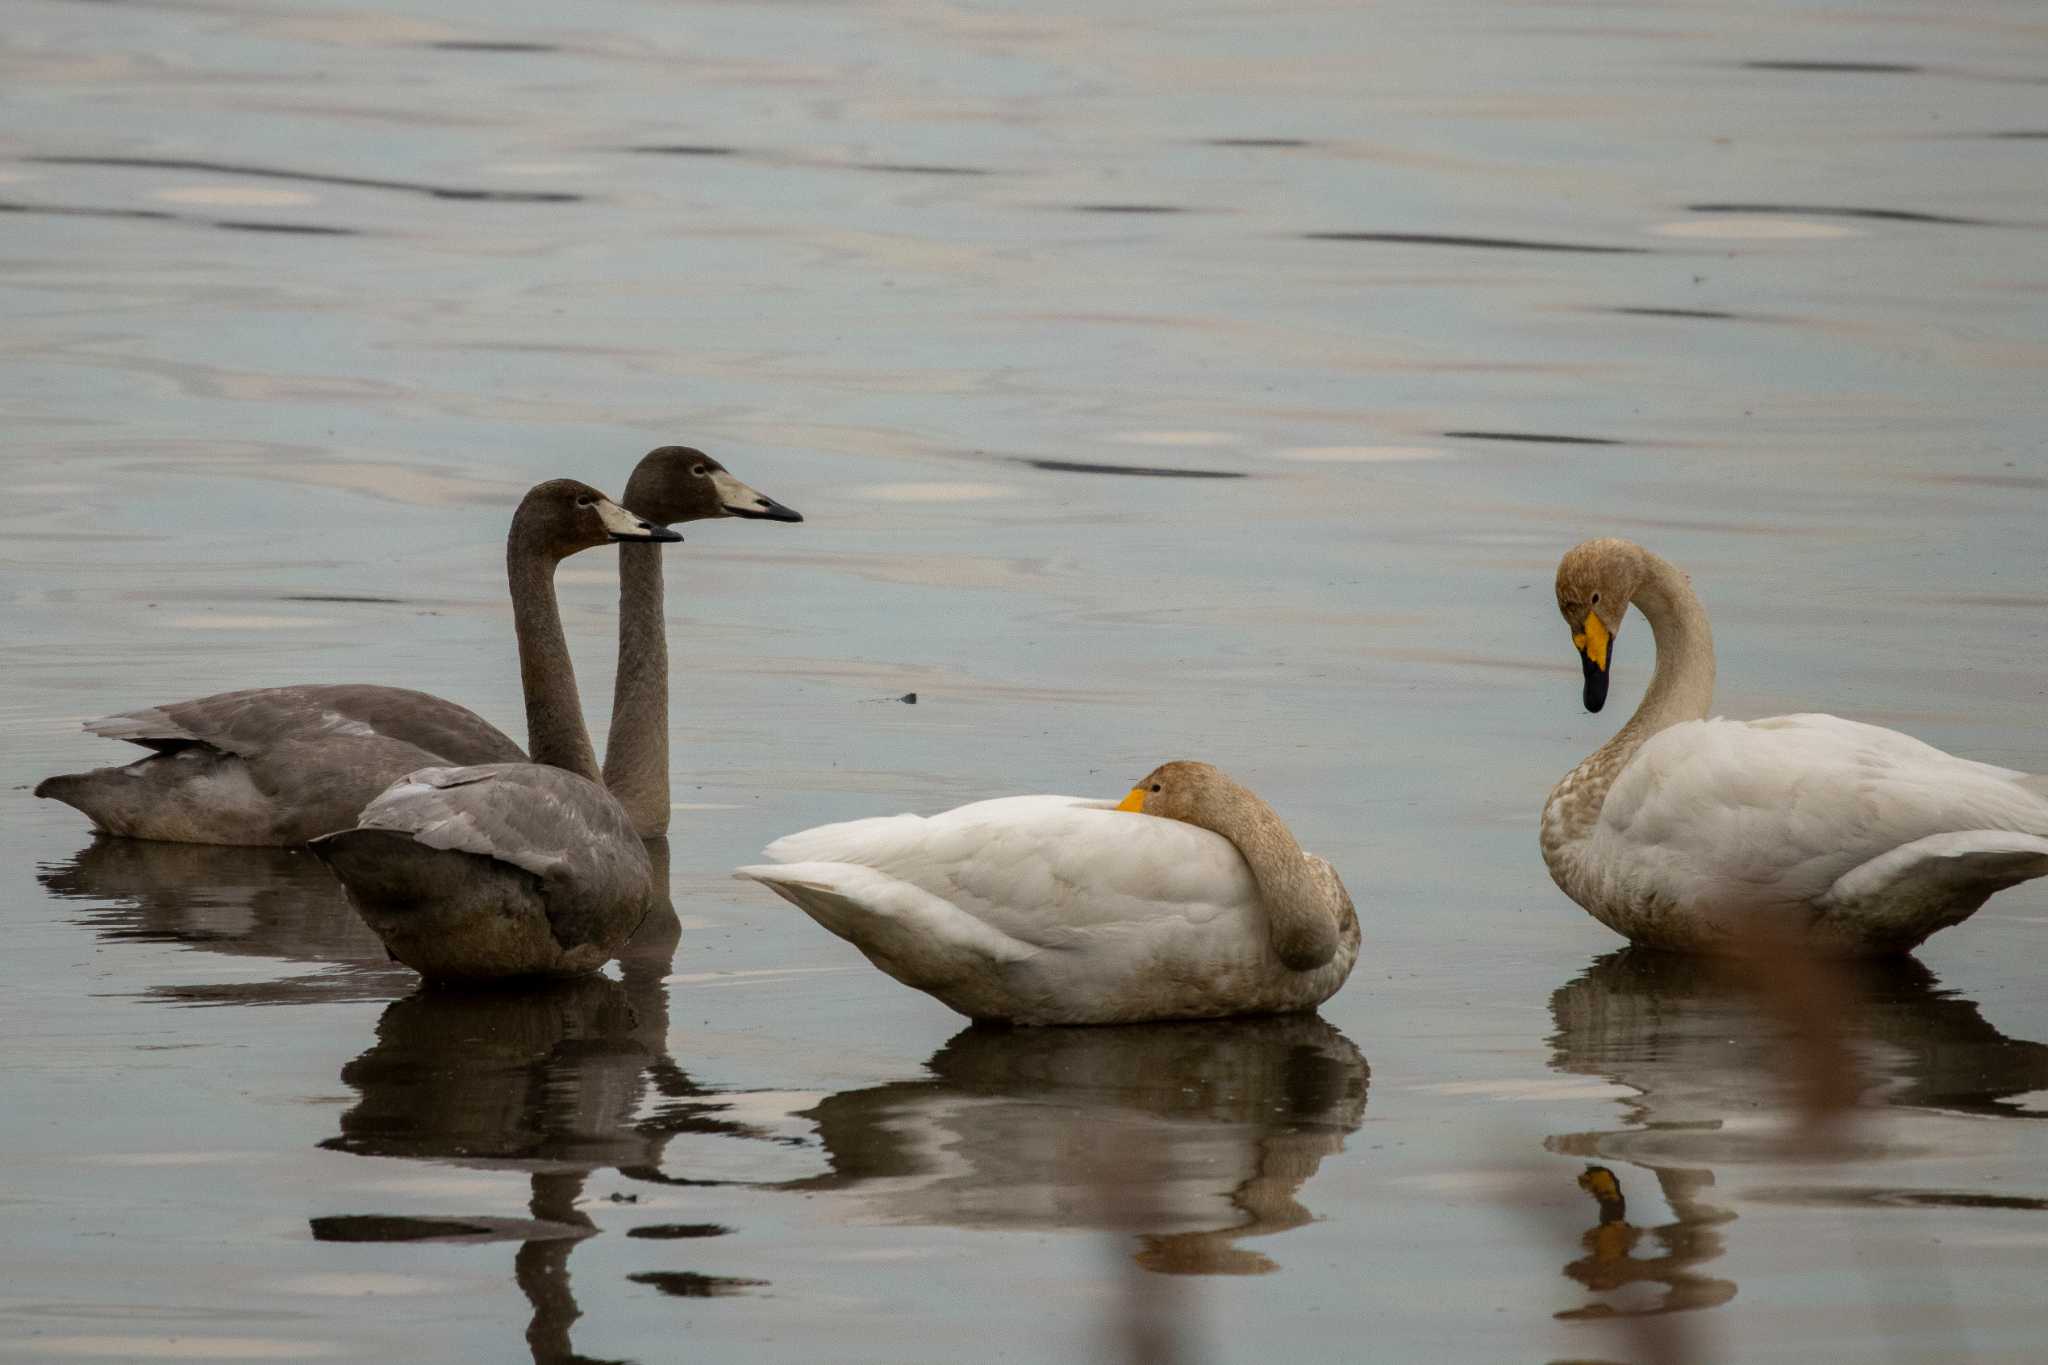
[
  {"x": 1187, "y": 1137},
  {"x": 1710, "y": 1120}
]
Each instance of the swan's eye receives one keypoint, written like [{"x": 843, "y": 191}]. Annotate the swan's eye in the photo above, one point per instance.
[
  {"x": 699, "y": 471},
  {"x": 586, "y": 501},
  {"x": 1596, "y": 599},
  {"x": 1155, "y": 786}
]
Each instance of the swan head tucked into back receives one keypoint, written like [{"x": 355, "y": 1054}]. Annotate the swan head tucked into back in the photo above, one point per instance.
[
  {"x": 558, "y": 518},
  {"x": 682, "y": 483},
  {"x": 1305, "y": 908},
  {"x": 1595, "y": 581},
  {"x": 1197, "y": 793}
]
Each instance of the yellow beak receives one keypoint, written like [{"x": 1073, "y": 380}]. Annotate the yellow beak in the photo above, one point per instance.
[
  {"x": 1134, "y": 802},
  {"x": 1592, "y": 642}
]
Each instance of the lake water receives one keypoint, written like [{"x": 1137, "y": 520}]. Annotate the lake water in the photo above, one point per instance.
[{"x": 299, "y": 299}]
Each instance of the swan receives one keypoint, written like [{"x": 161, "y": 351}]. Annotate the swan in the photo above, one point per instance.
[
  {"x": 1682, "y": 831},
  {"x": 517, "y": 868},
  {"x": 282, "y": 765},
  {"x": 1187, "y": 900}
]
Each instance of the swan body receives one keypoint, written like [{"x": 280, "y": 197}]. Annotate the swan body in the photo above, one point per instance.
[
  {"x": 1062, "y": 910},
  {"x": 495, "y": 870},
  {"x": 271, "y": 765},
  {"x": 283, "y": 765},
  {"x": 1856, "y": 838}
]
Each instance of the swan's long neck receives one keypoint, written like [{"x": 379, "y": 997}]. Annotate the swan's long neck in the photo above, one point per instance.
[
  {"x": 1302, "y": 917},
  {"x": 1681, "y": 689},
  {"x": 636, "y": 751},
  {"x": 555, "y": 734}
]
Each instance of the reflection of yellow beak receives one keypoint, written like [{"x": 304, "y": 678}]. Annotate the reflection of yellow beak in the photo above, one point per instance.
[
  {"x": 1134, "y": 802},
  {"x": 1592, "y": 642}
]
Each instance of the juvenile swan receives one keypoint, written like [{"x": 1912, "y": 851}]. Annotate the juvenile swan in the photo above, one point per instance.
[
  {"x": 280, "y": 765},
  {"x": 511, "y": 869},
  {"x": 1189, "y": 900},
  {"x": 1860, "y": 839}
]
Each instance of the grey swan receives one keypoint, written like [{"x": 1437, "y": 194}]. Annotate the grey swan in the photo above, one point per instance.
[
  {"x": 511, "y": 868},
  {"x": 283, "y": 765}
]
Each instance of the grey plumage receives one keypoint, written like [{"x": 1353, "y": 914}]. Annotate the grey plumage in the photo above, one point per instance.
[
  {"x": 504, "y": 869},
  {"x": 271, "y": 765}
]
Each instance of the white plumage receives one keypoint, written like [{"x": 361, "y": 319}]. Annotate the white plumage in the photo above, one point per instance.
[
  {"x": 1051, "y": 909},
  {"x": 1857, "y": 837},
  {"x": 1888, "y": 837}
]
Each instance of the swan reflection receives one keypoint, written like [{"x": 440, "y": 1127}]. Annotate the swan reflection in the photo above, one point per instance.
[
  {"x": 1192, "y": 1136},
  {"x": 557, "y": 1079},
  {"x": 246, "y": 902},
  {"x": 1709, "y": 1071}
]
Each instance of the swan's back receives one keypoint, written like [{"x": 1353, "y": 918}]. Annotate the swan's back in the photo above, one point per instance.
[
  {"x": 271, "y": 765},
  {"x": 1807, "y": 810},
  {"x": 1050, "y": 909},
  {"x": 499, "y": 869}
]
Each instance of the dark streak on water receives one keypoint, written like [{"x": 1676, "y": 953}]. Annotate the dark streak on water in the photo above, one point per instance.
[
  {"x": 1860, "y": 1196},
  {"x": 304, "y": 229},
  {"x": 1672, "y": 313},
  {"x": 1533, "y": 438},
  {"x": 683, "y": 149},
  {"x": 1128, "y": 208},
  {"x": 2019, "y": 134},
  {"x": 687, "y": 1284},
  {"x": 1488, "y": 243},
  {"x": 668, "y": 1232},
  {"x": 312, "y": 177},
  {"x": 1138, "y": 470},
  {"x": 462, "y": 45},
  {"x": 1829, "y": 211},
  {"x": 1258, "y": 142},
  {"x": 165, "y": 216},
  {"x": 338, "y": 597},
  {"x": 908, "y": 168},
  {"x": 1844, "y": 68}
]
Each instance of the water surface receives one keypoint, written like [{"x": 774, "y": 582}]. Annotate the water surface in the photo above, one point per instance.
[{"x": 1158, "y": 384}]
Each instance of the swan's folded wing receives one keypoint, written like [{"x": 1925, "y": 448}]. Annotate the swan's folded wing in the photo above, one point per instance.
[
  {"x": 1043, "y": 870},
  {"x": 1784, "y": 807},
  {"x": 542, "y": 819},
  {"x": 253, "y": 721},
  {"x": 1945, "y": 868}
]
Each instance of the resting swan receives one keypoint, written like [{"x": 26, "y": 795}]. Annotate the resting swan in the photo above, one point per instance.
[
  {"x": 280, "y": 765},
  {"x": 1189, "y": 900},
  {"x": 1856, "y": 838},
  {"x": 511, "y": 869}
]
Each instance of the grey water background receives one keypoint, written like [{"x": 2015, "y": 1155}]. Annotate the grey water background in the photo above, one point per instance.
[{"x": 299, "y": 299}]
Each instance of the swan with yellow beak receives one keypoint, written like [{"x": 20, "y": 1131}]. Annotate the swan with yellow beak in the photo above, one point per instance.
[{"x": 1189, "y": 899}]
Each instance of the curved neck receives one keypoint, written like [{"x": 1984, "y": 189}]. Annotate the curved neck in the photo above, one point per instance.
[
  {"x": 636, "y": 750},
  {"x": 1301, "y": 918},
  {"x": 554, "y": 714},
  {"x": 1682, "y": 683},
  {"x": 1681, "y": 689}
]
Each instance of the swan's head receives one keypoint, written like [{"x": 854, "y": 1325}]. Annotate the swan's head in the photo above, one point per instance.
[
  {"x": 562, "y": 516},
  {"x": 1595, "y": 581},
  {"x": 680, "y": 483},
  {"x": 1181, "y": 790}
]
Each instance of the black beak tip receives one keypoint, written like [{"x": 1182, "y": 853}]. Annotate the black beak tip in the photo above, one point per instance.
[
  {"x": 1596, "y": 684},
  {"x": 768, "y": 510},
  {"x": 658, "y": 535}
]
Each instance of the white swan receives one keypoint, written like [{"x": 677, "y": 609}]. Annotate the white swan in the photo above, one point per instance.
[
  {"x": 1680, "y": 830},
  {"x": 1189, "y": 900}
]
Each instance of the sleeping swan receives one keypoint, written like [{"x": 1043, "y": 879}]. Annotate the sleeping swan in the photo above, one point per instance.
[
  {"x": 1856, "y": 838},
  {"x": 1189, "y": 900}
]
